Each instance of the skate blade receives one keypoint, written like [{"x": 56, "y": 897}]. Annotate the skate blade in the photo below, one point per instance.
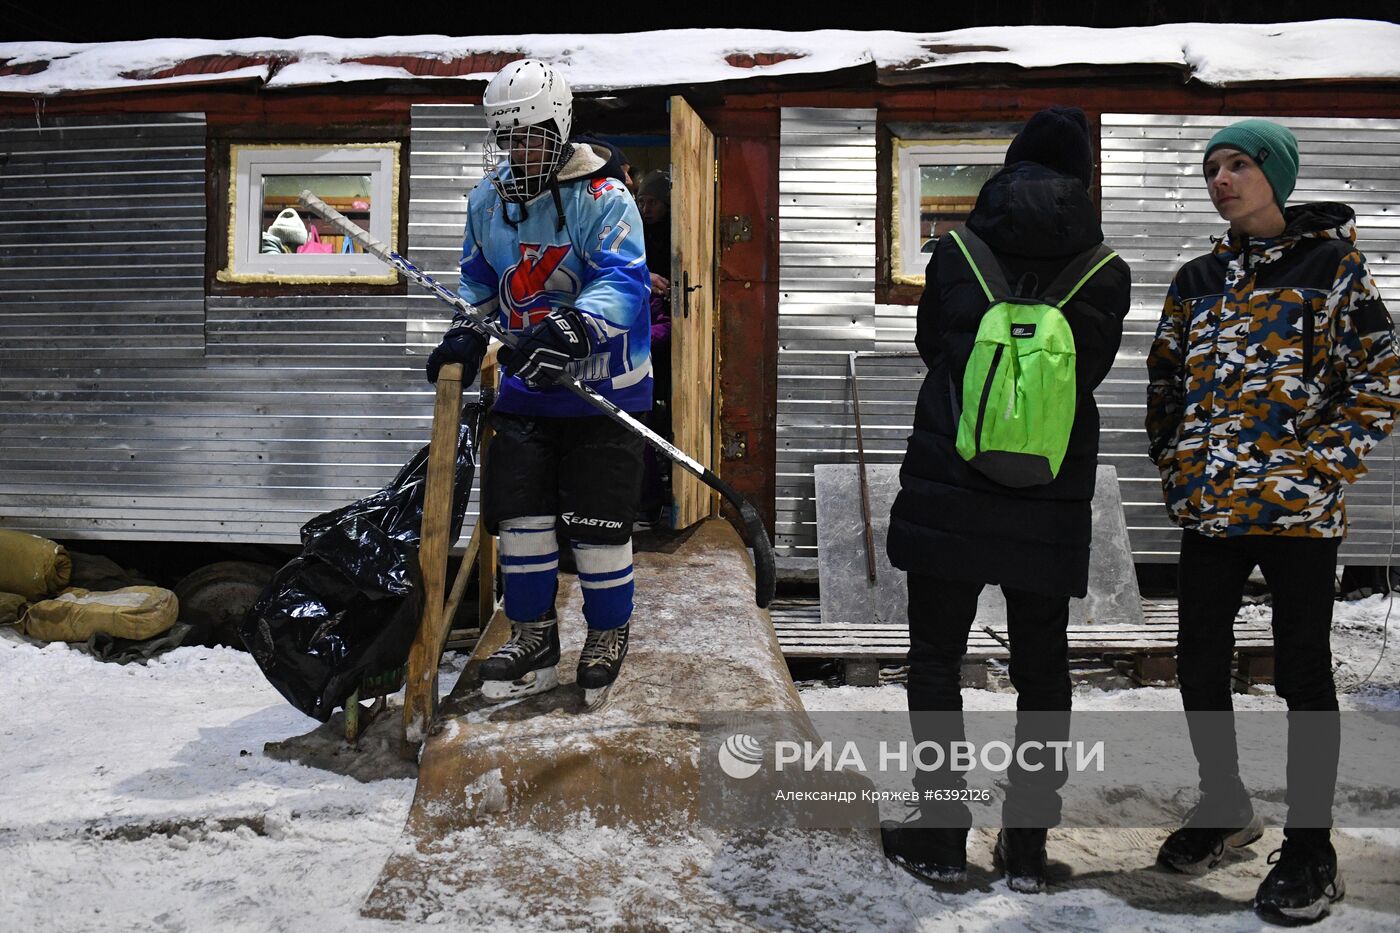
[{"x": 532, "y": 683}]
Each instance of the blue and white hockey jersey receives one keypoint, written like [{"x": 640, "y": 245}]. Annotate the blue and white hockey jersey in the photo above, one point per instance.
[{"x": 596, "y": 263}]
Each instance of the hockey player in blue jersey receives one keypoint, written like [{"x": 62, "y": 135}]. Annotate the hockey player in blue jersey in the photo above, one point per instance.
[{"x": 554, "y": 248}]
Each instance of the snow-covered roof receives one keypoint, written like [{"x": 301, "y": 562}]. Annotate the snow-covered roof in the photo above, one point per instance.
[{"x": 1211, "y": 53}]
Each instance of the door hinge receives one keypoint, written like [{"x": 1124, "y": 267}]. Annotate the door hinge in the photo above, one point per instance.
[{"x": 736, "y": 228}]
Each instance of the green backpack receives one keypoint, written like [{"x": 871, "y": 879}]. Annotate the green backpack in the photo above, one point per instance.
[{"x": 1019, "y": 386}]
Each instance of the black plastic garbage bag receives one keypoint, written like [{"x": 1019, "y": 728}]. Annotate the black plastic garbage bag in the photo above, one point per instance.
[
  {"x": 348, "y": 607},
  {"x": 397, "y": 509}
]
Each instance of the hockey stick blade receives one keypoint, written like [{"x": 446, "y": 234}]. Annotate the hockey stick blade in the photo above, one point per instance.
[
  {"x": 765, "y": 563},
  {"x": 764, "y": 560}
]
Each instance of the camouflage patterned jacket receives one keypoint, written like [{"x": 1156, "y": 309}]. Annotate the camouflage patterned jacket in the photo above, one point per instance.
[{"x": 1272, "y": 374}]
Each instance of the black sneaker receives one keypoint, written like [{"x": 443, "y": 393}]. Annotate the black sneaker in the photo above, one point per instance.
[
  {"x": 1020, "y": 855},
  {"x": 600, "y": 660},
  {"x": 1195, "y": 850},
  {"x": 1303, "y": 884},
  {"x": 932, "y": 854},
  {"x": 524, "y": 665}
]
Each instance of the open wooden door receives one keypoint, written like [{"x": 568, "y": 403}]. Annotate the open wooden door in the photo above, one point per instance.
[{"x": 694, "y": 310}]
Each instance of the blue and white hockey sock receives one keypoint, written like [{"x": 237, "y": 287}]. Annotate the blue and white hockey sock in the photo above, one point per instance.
[
  {"x": 605, "y": 574},
  {"x": 529, "y": 566}
]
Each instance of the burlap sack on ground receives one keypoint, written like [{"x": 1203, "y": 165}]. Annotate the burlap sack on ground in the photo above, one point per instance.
[
  {"x": 31, "y": 566},
  {"x": 133, "y": 612},
  {"x": 11, "y": 605},
  {"x": 96, "y": 572}
]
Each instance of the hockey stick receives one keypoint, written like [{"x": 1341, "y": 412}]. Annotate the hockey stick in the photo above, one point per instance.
[{"x": 765, "y": 570}]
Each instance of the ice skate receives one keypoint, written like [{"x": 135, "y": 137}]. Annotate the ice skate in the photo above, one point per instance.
[
  {"x": 600, "y": 661},
  {"x": 525, "y": 665}
]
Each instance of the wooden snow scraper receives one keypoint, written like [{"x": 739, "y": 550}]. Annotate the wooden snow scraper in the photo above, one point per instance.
[{"x": 543, "y": 808}]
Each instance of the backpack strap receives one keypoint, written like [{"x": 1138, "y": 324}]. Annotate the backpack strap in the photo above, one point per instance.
[
  {"x": 1074, "y": 275},
  {"x": 992, "y": 277},
  {"x": 984, "y": 263}
]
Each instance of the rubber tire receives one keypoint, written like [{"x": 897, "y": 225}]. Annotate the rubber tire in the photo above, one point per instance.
[{"x": 214, "y": 599}]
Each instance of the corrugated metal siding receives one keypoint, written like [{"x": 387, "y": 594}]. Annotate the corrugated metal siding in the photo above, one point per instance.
[
  {"x": 1156, "y": 212},
  {"x": 294, "y": 405},
  {"x": 1158, "y": 215},
  {"x": 826, "y": 227},
  {"x": 446, "y": 148},
  {"x": 102, "y": 237}
]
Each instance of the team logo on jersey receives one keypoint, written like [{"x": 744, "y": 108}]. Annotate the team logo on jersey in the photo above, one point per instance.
[
  {"x": 526, "y": 285},
  {"x": 597, "y": 186}
]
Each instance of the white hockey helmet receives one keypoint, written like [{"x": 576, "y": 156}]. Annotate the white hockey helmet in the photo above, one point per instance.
[{"x": 530, "y": 111}]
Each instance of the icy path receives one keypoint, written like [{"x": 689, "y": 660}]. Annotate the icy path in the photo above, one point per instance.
[
  {"x": 89, "y": 749},
  {"x": 137, "y": 798}
]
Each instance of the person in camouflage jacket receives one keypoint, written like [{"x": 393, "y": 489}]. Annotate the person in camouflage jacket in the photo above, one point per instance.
[{"x": 1272, "y": 375}]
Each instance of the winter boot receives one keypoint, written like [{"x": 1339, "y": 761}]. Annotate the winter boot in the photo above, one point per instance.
[
  {"x": 525, "y": 664},
  {"x": 1020, "y": 856},
  {"x": 600, "y": 660},
  {"x": 932, "y": 854},
  {"x": 1303, "y": 884},
  {"x": 1194, "y": 849}
]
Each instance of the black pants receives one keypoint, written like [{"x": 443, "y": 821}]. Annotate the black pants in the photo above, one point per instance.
[
  {"x": 1301, "y": 573},
  {"x": 941, "y": 613}
]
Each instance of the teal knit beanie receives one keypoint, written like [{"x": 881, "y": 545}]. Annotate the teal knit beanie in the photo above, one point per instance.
[{"x": 1273, "y": 148}]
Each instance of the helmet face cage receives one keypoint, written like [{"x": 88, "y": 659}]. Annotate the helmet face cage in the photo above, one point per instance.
[{"x": 521, "y": 160}]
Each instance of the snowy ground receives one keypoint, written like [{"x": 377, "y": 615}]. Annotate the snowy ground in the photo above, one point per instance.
[{"x": 138, "y": 798}]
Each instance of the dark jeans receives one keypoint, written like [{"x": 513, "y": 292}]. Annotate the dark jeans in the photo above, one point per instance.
[
  {"x": 1301, "y": 573},
  {"x": 941, "y": 613}
]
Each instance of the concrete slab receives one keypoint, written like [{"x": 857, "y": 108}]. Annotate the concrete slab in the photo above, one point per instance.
[
  {"x": 847, "y": 595},
  {"x": 849, "y": 598}
]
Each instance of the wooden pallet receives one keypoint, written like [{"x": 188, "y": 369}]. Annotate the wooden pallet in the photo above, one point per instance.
[{"x": 1145, "y": 652}]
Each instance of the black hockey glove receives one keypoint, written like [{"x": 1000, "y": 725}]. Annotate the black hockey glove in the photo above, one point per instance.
[
  {"x": 459, "y": 345},
  {"x": 545, "y": 349}
]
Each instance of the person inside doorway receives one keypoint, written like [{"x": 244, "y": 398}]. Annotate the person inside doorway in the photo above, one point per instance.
[{"x": 654, "y": 204}]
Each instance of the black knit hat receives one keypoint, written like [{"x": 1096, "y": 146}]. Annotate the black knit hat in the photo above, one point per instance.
[{"x": 1058, "y": 138}]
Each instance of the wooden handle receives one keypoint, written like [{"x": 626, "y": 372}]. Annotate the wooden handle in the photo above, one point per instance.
[
  {"x": 420, "y": 694},
  {"x": 459, "y": 582}
]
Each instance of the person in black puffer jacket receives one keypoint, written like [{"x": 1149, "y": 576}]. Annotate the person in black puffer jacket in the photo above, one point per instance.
[{"x": 953, "y": 530}]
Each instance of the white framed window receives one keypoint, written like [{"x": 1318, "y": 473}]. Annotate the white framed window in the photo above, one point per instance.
[
  {"x": 934, "y": 187},
  {"x": 272, "y": 238}
]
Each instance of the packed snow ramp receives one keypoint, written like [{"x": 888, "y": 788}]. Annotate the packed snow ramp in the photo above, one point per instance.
[{"x": 544, "y": 812}]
